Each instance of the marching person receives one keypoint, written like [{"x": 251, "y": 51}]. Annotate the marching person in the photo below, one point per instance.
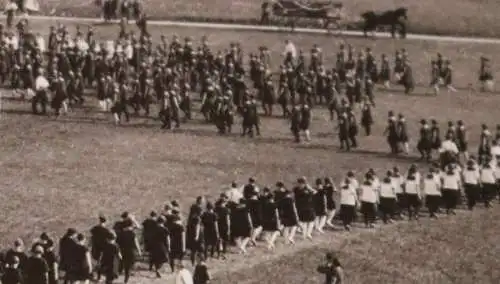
[
  {"x": 462, "y": 139},
  {"x": 387, "y": 198},
  {"x": 484, "y": 143},
  {"x": 451, "y": 189},
  {"x": 241, "y": 225},
  {"x": 431, "y": 189},
  {"x": 320, "y": 206},
  {"x": 330, "y": 192},
  {"x": 12, "y": 274},
  {"x": 129, "y": 248},
  {"x": 223, "y": 212},
  {"x": 41, "y": 93},
  {"x": 81, "y": 270},
  {"x": 368, "y": 198},
  {"x": 448, "y": 152},
  {"x": 471, "y": 178},
  {"x": 305, "y": 123},
  {"x": 289, "y": 216},
  {"x": 271, "y": 219},
  {"x": 37, "y": 270},
  {"x": 305, "y": 207},
  {"x": 411, "y": 188},
  {"x": 177, "y": 241},
  {"x": 211, "y": 236},
  {"x": 254, "y": 205},
  {"x": 488, "y": 182},
  {"x": 348, "y": 202},
  {"x": 397, "y": 181}
]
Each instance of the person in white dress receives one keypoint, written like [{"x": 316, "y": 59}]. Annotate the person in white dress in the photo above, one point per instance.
[
  {"x": 348, "y": 202},
  {"x": 413, "y": 199},
  {"x": 368, "y": 198},
  {"x": 431, "y": 190},
  {"x": 451, "y": 183},
  {"x": 387, "y": 198},
  {"x": 472, "y": 189}
]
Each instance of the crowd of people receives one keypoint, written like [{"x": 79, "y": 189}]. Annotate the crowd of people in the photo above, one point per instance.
[
  {"x": 132, "y": 73},
  {"x": 243, "y": 216}
]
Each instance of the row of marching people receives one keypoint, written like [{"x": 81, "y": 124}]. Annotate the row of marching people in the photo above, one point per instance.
[
  {"x": 397, "y": 194},
  {"x": 244, "y": 215}
]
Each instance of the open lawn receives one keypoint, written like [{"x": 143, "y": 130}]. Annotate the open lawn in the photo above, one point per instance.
[
  {"x": 455, "y": 17},
  {"x": 56, "y": 174}
]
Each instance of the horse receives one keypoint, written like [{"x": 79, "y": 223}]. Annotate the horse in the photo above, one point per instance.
[{"x": 392, "y": 18}]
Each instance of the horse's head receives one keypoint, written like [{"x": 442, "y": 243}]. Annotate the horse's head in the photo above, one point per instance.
[
  {"x": 368, "y": 15},
  {"x": 402, "y": 12}
]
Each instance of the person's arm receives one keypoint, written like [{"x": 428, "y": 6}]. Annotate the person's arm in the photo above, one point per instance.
[
  {"x": 88, "y": 259},
  {"x": 137, "y": 247},
  {"x": 340, "y": 275}
]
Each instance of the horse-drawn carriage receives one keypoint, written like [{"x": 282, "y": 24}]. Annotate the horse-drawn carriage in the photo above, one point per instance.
[{"x": 329, "y": 13}]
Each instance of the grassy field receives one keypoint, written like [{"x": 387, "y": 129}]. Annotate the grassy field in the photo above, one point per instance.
[
  {"x": 455, "y": 17},
  {"x": 64, "y": 173}
]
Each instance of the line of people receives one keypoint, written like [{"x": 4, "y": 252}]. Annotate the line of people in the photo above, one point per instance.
[{"x": 242, "y": 216}]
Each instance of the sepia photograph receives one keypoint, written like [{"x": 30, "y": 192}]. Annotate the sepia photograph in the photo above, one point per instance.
[{"x": 249, "y": 141}]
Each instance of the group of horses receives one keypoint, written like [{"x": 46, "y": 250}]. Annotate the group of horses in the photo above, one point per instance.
[{"x": 331, "y": 13}]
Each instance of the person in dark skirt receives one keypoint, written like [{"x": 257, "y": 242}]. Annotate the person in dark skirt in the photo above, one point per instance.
[
  {"x": 271, "y": 218},
  {"x": 320, "y": 208},
  {"x": 412, "y": 193},
  {"x": 223, "y": 224},
  {"x": 12, "y": 274},
  {"x": 66, "y": 246},
  {"x": 241, "y": 225},
  {"x": 451, "y": 182},
  {"x": 488, "y": 182},
  {"x": 129, "y": 248},
  {"x": 330, "y": 191},
  {"x": 304, "y": 201},
  {"x": 201, "y": 274},
  {"x": 289, "y": 216},
  {"x": 50, "y": 257},
  {"x": 81, "y": 268},
  {"x": 211, "y": 234},
  {"x": 110, "y": 260},
  {"x": 387, "y": 199},
  {"x": 99, "y": 235},
  {"x": 159, "y": 245},
  {"x": 148, "y": 233},
  {"x": 254, "y": 205},
  {"x": 471, "y": 178},
  {"x": 194, "y": 235},
  {"x": 177, "y": 241},
  {"x": 348, "y": 203},
  {"x": 368, "y": 198},
  {"x": 37, "y": 270},
  {"x": 432, "y": 193}
]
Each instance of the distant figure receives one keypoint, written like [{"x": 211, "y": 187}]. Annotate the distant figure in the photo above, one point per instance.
[
  {"x": 333, "y": 271},
  {"x": 10, "y": 11}
]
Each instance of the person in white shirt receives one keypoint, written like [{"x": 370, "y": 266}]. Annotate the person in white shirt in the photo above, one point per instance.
[
  {"x": 488, "y": 182},
  {"x": 451, "y": 189},
  {"x": 183, "y": 275},
  {"x": 290, "y": 49},
  {"x": 431, "y": 189},
  {"x": 368, "y": 198},
  {"x": 412, "y": 191},
  {"x": 470, "y": 177},
  {"x": 448, "y": 152},
  {"x": 348, "y": 202},
  {"x": 235, "y": 193},
  {"x": 41, "y": 93},
  {"x": 398, "y": 181},
  {"x": 387, "y": 199},
  {"x": 497, "y": 176}
]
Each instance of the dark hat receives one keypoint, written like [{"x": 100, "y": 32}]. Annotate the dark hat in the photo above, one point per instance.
[{"x": 279, "y": 184}]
